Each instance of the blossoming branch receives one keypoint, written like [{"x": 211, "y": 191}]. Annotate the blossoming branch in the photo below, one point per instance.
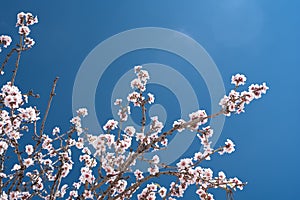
[{"x": 41, "y": 167}]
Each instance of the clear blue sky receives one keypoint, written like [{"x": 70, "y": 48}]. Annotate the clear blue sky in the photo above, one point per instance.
[{"x": 257, "y": 38}]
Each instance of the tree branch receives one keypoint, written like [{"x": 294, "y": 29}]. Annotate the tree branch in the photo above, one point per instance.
[{"x": 49, "y": 105}]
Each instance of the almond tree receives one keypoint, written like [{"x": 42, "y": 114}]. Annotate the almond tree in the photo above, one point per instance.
[{"x": 40, "y": 168}]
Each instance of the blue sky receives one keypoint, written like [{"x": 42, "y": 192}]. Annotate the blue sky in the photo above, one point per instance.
[{"x": 257, "y": 38}]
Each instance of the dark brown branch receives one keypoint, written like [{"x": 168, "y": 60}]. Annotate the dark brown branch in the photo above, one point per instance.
[{"x": 143, "y": 115}]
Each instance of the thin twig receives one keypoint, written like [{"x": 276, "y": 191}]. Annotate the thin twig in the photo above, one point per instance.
[
  {"x": 7, "y": 58},
  {"x": 49, "y": 105},
  {"x": 18, "y": 60}
]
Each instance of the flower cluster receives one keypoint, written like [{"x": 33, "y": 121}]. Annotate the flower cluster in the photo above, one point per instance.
[
  {"x": 139, "y": 84},
  {"x": 238, "y": 79},
  {"x": 235, "y": 101},
  {"x": 5, "y": 41},
  {"x": 76, "y": 121},
  {"x": 11, "y": 96},
  {"x": 24, "y": 20}
]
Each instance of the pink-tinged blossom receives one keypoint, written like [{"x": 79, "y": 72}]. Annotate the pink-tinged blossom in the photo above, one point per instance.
[
  {"x": 14, "y": 195},
  {"x": 55, "y": 131},
  {"x": 12, "y": 96},
  {"x": 83, "y": 157},
  {"x": 14, "y": 135},
  {"x": 63, "y": 190},
  {"x": 203, "y": 195},
  {"x": 109, "y": 170},
  {"x": 207, "y": 174},
  {"x": 110, "y": 125},
  {"x": 204, "y": 140},
  {"x": 247, "y": 97},
  {"x": 28, "y": 162},
  {"x": 148, "y": 193},
  {"x": 221, "y": 175},
  {"x": 234, "y": 95},
  {"x": 130, "y": 131},
  {"x": 79, "y": 145},
  {"x": 82, "y": 112},
  {"x": 153, "y": 170},
  {"x": 137, "y": 68},
  {"x": 141, "y": 80},
  {"x": 29, "y": 42},
  {"x": 47, "y": 142},
  {"x": 86, "y": 150},
  {"x": 179, "y": 123},
  {"x": 3, "y": 147},
  {"x": 137, "y": 84},
  {"x": 2, "y": 175},
  {"x": 21, "y": 18},
  {"x": 198, "y": 156},
  {"x": 138, "y": 174},
  {"x": 223, "y": 102},
  {"x": 155, "y": 159},
  {"x": 196, "y": 119},
  {"x": 164, "y": 142},
  {"x": 110, "y": 139},
  {"x": 5, "y": 40},
  {"x": 73, "y": 193},
  {"x": 29, "y": 114},
  {"x": 87, "y": 194},
  {"x": 228, "y": 148},
  {"x": 162, "y": 192},
  {"x": 29, "y": 149},
  {"x": 25, "y": 98},
  {"x": 118, "y": 102},
  {"x": 30, "y": 19},
  {"x": 24, "y": 195},
  {"x": 121, "y": 186},
  {"x": 258, "y": 90},
  {"x": 3, "y": 196},
  {"x": 66, "y": 168},
  {"x": 240, "y": 108},
  {"x": 235, "y": 183},
  {"x": 238, "y": 79},
  {"x": 77, "y": 185},
  {"x": 134, "y": 98},
  {"x": 151, "y": 98},
  {"x": 26, "y": 19},
  {"x": 86, "y": 176},
  {"x": 143, "y": 75},
  {"x": 16, "y": 167},
  {"x": 176, "y": 190},
  {"x": 76, "y": 121},
  {"x": 208, "y": 131},
  {"x": 123, "y": 113},
  {"x": 71, "y": 142},
  {"x": 47, "y": 162},
  {"x": 156, "y": 126},
  {"x": 24, "y": 30},
  {"x": 184, "y": 163},
  {"x": 140, "y": 136},
  {"x": 79, "y": 130}
]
